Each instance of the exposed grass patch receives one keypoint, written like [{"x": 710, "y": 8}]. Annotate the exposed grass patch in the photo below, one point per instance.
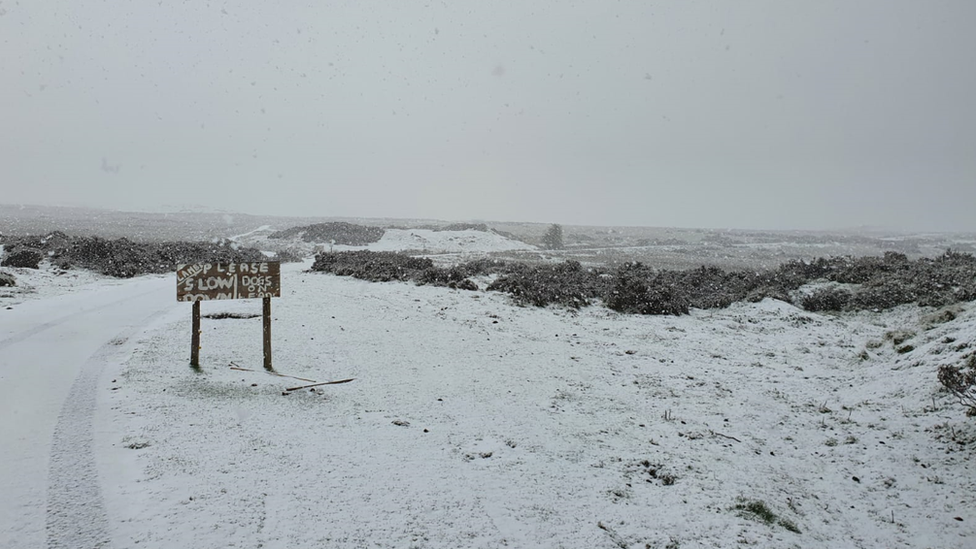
[{"x": 758, "y": 510}]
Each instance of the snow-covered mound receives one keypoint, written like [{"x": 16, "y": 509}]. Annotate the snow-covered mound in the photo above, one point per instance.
[
  {"x": 428, "y": 241},
  {"x": 419, "y": 241}
]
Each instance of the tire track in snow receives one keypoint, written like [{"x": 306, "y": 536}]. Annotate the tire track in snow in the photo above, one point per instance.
[
  {"x": 76, "y": 515},
  {"x": 75, "y": 512}
]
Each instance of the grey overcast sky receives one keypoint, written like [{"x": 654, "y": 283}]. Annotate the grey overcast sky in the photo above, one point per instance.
[{"x": 749, "y": 114}]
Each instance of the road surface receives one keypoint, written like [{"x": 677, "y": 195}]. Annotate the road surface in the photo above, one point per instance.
[{"x": 53, "y": 353}]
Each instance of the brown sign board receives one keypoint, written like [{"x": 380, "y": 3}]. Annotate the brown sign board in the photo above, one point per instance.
[{"x": 206, "y": 281}]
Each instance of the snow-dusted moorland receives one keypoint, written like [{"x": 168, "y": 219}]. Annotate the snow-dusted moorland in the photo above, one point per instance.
[{"x": 473, "y": 422}]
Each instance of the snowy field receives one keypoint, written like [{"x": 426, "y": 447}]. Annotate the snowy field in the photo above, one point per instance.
[
  {"x": 472, "y": 422},
  {"x": 439, "y": 242},
  {"x": 48, "y": 282}
]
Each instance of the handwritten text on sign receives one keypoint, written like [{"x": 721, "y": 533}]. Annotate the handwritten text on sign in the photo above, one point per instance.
[{"x": 207, "y": 281}]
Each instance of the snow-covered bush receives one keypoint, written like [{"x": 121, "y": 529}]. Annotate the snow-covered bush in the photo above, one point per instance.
[
  {"x": 851, "y": 270},
  {"x": 637, "y": 289},
  {"x": 884, "y": 282},
  {"x": 372, "y": 266},
  {"x": 21, "y": 257},
  {"x": 711, "y": 287},
  {"x": 565, "y": 283},
  {"x": 386, "y": 266},
  {"x": 961, "y": 382},
  {"x": 451, "y": 277},
  {"x": 123, "y": 258},
  {"x": 826, "y": 299}
]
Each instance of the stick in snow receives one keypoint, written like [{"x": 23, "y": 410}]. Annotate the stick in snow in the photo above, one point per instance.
[
  {"x": 716, "y": 433},
  {"x": 613, "y": 535},
  {"x": 238, "y": 368},
  {"x": 317, "y": 384}
]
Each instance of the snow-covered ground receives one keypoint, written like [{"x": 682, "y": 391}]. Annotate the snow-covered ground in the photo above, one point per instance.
[
  {"x": 461, "y": 244},
  {"x": 49, "y": 281},
  {"x": 428, "y": 241},
  {"x": 472, "y": 422},
  {"x": 263, "y": 230},
  {"x": 53, "y": 351}
]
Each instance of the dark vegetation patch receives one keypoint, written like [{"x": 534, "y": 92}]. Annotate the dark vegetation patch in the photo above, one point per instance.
[
  {"x": 876, "y": 282},
  {"x": 372, "y": 266},
  {"x": 347, "y": 234},
  {"x": 124, "y": 258},
  {"x": 225, "y": 316},
  {"x": 7, "y": 279},
  {"x": 565, "y": 283},
  {"x": 960, "y": 381},
  {"x": 638, "y": 289},
  {"x": 463, "y": 227},
  {"x": 758, "y": 510},
  {"x": 826, "y": 299},
  {"x": 387, "y": 266},
  {"x": 23, "y": 258}
]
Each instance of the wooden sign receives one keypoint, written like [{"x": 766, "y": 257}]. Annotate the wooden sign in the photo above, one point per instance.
[{"x": 207, "y": 281}]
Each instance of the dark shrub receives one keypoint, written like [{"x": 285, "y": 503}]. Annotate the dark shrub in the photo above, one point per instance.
[
  {"x": 123, "y": 258},
  {"x": 860, "y": 270},
  {"x": 636, "y": 289},
  {"x": 770, "y": 291},
  {"x": 7, "y": 279},
  {"x": 885, "y": 282},
  {"x": 826, "y": 299},
  {"x": 463, "y": 227},
  {"x": 386, "y": 266},
  {"x": 24, "y": 258},
  {"x": 882, "y": 294},
  {"x": 961, "y": 382},
  {"x": 803, "y": 271},
  {"x": 564, "y": 283},
  {"x": 466, "y": 284},
  {"x": 372, "y": 266},
  {"x": 484, "y": 266},
  {"x": 710, "y": 287},
  {"x": 441, "y": 277}
]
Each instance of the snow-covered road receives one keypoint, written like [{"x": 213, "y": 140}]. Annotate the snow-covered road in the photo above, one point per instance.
[{"x": 52, "y": 352}]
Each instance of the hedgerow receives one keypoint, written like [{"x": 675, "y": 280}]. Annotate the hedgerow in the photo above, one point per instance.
[
  {"x": 121, "y": 257},
  {"x": 872, "y": 283},
  {"x": 565, "y": 283}
]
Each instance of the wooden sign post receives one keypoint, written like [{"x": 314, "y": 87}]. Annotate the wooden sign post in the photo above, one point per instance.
[
  {"x": 207, "y": 281},
  {"x": 266, "y": 313},
  {"x": 195, "y": 337}
]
